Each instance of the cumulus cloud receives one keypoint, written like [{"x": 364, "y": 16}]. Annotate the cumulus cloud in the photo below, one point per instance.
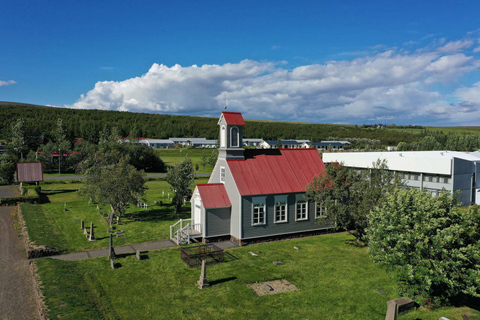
[
  {"x": 6, "y": 83},
  {"x": 388, "y": 85}
]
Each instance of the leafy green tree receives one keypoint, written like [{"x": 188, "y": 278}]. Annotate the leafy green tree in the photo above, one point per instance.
[
  {"x": 402, "y": 146},
  {"x": 429, "y": 242},
  {"x": 204, "y": 159},
  {"x": 212, "y": 160},
  {"x": 368, "y": 192},
  {"x": 331, "y": 189},
  {"x": 349, "y": 196},
  {"x": 180, "y": 177},
  {"x": 18, "y": 138},
  {"x": 7, "y": 168},
  {"x": 111, "y": 180},
  {"x": 279, "y": 144}
]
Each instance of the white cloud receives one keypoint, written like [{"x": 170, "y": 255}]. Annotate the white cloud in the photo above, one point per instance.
[
  {"x": 455, "y": 46},
  {"x": 388, "y": 85},
  {"x": 7, "y": 83}
]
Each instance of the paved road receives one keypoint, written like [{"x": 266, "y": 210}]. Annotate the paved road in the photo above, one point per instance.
[
  {"x": 149, "y": 175},
  {"x": 17, "y": 299}
]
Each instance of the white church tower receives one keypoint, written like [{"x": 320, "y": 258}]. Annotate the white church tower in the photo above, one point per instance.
[{"x": 231, "y": 136}]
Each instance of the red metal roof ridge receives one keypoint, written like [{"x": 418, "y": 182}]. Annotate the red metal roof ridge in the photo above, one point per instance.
[{"x": 209, "y": 184}]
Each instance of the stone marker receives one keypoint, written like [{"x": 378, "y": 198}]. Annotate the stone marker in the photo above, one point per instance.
[
  {"x": 278, "y": 263},
  {"x": 443, "y": 318},
  {"x": 297, "y": 248},
  {"x": 65, "y": 207},
  {"x": 253, "y": 254},
  {"x": 396, "y": 306},
  {"x": 203, "y": 282},
  {"x": 138, "y": 255},
  {"x": 111, "y": 251},
  {"x": 92, "y": 236},
  {"x": 82, "y": 224},
  {"x": 163, "y": 193},
  {"x": 112, "y": 264}
]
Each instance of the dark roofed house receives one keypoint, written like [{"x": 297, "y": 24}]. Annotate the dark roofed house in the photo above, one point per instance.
[
  {"x": 333, "y": 145},
  {"x": 254, "y": 193}
]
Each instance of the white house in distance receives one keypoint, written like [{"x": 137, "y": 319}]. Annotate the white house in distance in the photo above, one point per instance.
[
  {"x": 253, "y": 193},
  {"x": 426, "y": 170}
]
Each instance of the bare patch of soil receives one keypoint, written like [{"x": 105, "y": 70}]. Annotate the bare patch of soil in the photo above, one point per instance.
[{"x": 272, "y": 287}]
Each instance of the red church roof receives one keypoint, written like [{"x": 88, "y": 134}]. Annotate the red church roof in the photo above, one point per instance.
[
  {"x": 289, "y": 170},
  {"x": 234, "y": 118},
  {"x": 214, "y": 195}
]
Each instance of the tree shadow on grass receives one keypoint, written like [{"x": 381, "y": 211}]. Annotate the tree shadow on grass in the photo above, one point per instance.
[
  {"x": 161, "y": 214},
  {"x": 52, "y": 192}
]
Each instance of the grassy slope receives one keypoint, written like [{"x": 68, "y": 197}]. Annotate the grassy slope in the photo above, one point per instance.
[
  {"x": 50, "y": 225},
  {"x": 337, "y": 280}
]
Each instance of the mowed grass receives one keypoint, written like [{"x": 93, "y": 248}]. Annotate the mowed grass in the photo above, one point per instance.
[
  {"x": 171, "y": 156},
  {"x": 49, "y": 224},
  {"x": 336, "y": 280}
]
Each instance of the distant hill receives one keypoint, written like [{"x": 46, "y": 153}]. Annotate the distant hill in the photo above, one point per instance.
[{"x": 86, "y": 124}]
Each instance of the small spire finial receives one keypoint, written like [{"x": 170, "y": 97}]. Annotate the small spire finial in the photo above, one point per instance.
[{"x": 225, "y": 101}]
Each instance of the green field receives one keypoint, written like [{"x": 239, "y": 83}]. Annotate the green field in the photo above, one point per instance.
[
  {"x": 336, "y": 280},
  {"x": 171, "y": 156},
  {"x": 49, "y": 224},
  {"x": 335, "y": 276}
]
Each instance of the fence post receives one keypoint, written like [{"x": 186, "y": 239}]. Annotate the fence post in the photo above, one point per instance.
[{"x": 171, "y": 235}]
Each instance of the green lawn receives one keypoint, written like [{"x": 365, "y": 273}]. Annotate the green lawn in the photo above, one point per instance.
[
  {"x": 49, "y": 224},
  {"x": 335, "y": 278},
  {"x": 170, "y": 156}
]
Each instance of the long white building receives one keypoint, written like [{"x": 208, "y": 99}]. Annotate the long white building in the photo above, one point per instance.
[{"x": 426, "y": 170}]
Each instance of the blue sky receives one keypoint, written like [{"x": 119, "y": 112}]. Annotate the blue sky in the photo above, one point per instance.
[{"x": 402, "y": 62}]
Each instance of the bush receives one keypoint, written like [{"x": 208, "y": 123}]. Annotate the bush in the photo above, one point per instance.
[{"x": 431, "y": 244}]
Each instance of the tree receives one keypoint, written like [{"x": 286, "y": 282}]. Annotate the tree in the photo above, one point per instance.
[
  {"x": 18, "y": 138},
  {"x": 429, "y": 242},
  {"x": 331, "y": 189},
  {"x": 349, "y": 196},
  {"x": 213, "y": 158},
  {"x": 204, "y": 159},
  {"x": 7, "y": 168},
  {"x": 180, "y": 177},
  {"x": 110, "y": 180},
  {"x": 369, "y": 191}
]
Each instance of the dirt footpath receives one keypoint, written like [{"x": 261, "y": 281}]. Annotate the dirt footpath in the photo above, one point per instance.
[{"x": 17, "y": 299}]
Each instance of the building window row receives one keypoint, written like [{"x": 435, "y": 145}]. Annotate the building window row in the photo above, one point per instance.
[
  {"x": 281, "y": 210},
  {"x": 436, "y": 178}
]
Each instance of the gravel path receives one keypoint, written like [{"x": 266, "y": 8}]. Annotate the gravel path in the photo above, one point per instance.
[{"x": 17, "y": 299}]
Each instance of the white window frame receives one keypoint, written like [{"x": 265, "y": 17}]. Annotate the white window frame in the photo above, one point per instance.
[
  {"x": 278, "y": 205},
  {"x": 223, "y": 173},
  {"x": 323, "y": 210},
  {"x": 259, "y": 202},
  {"x": 305, "y": 210},
  {"x": 223, "y": 138},
  {"x": 237, "y": 137}
]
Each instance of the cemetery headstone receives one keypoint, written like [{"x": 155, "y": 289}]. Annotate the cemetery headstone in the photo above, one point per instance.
[
  {"x": 92, "y": 236},
  {"x": 203, "y": 282}
]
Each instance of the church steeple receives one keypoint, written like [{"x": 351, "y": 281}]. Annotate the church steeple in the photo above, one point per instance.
[{"x": 231, "y": 135}]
